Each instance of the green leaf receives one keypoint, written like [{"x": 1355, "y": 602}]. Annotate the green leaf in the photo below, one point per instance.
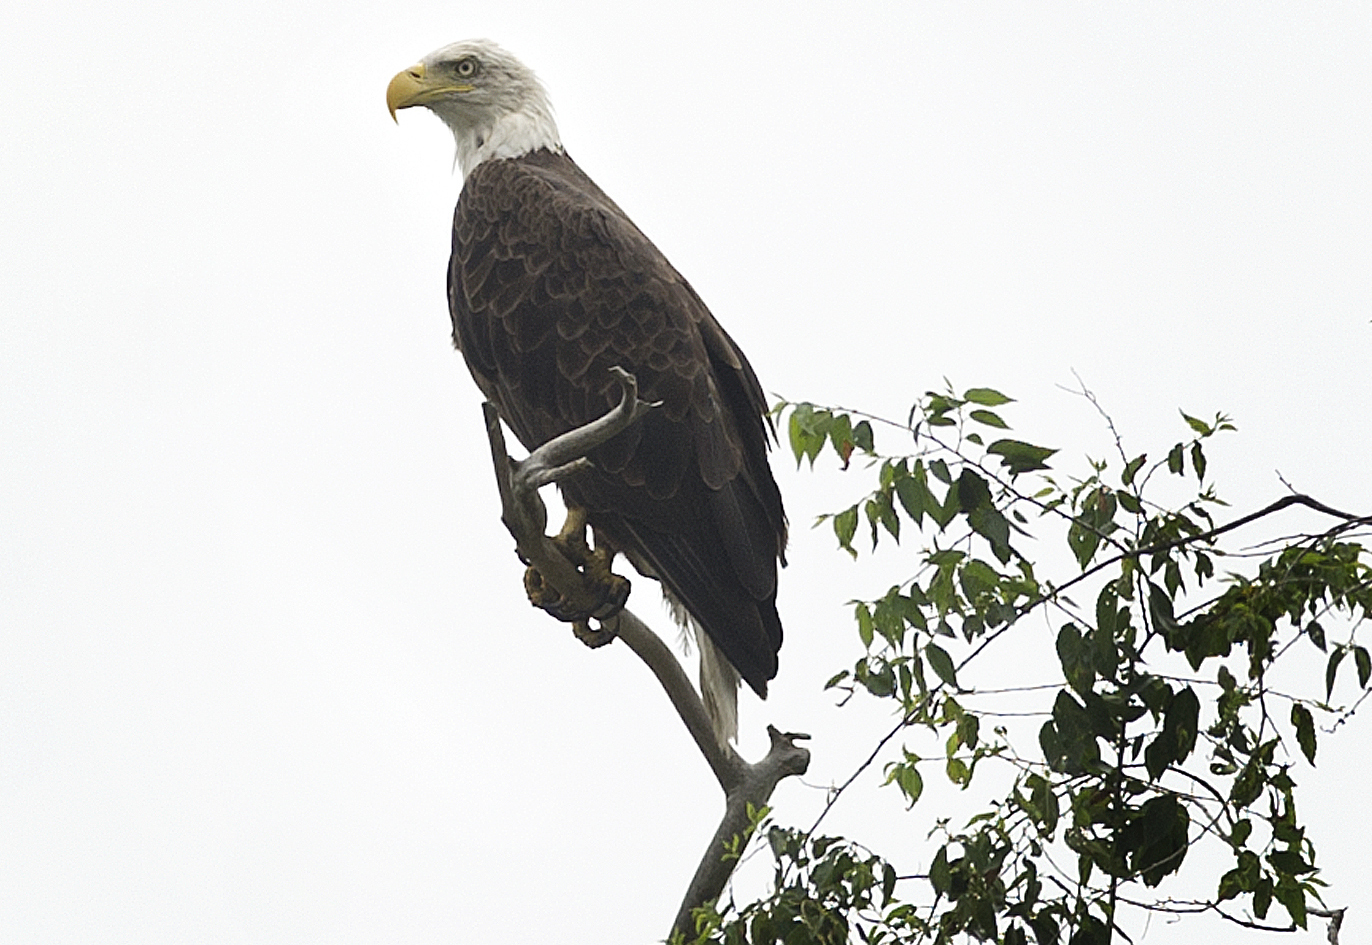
[
  {"x": 977, "y": 578},
  {"x": 940, "y": 874},
  {"x": 1075, "y": 659},
  {"x": 1045, "y": 802},
  {"x": 917, "y": 668},
  {"x": 1156, "y": 840},
  {"x": 1158, "y": 755},
  {"x": 1286, "y": 830},
  {"x": 1105, "y": 655},
  {"x": 1242, "y": 830},
  {"x": 1364, "y": 664},
  {"x": 942, "y": 663},
  {"x": 1068, "y": 742},
  {"x": 969, "y": 729},
  {"x": 1198, "y": 460},
  {"x": 1050, "y": 743},
  {"x": 1226, "y": 679},
  {"x": 958, "y": 772},
  {"x": 862, "y": 436},
  {"x": 865, "y": 625},
  {"x": 1020, "y": 457},
  {"x": 1091, "y": 931},
  {"x": 914, "y": 495},
  {"x": 907, "y": 777},
  {"x": 845, "y": 527},
  {"x": 1160, "y": 609},
  {"x": 1231, "y": 884},
  {"x": 1083, "y": 539},
  {"x": 1045, "y": 928},
  {"x": 879, "y": 681},
  {"x": 841, "y": 437},
  {"x": 1183, "y": 718},
  {"x": 1332, "y": 669},
  {"x": 973, "y": 492},
  {"x": 795, "y": 430},
  {"x": 1175, "y": 459},
  {"x": 986, "y": 397},
  {"x": 1132, "y": 469},
  {"x": 1178, "y": 736},
  {"x": 879, "y": 509},
  {"x": 943, "y": 513},
  {"x": 995, "y": 528},
  {"x": 1305, "y": 730},
  {"x": 1248, "y": 785},
  {"x": 1107, "y": 611},
  {"x": 1200, "y": 426},
  {"x": 1292, "y": 898},
  {"x": 1289, "y": 862},
  {"x": 808, "y": 429},
  {"x": 989, "y": 419}
]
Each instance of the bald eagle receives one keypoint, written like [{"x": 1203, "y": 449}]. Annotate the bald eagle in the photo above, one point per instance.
[{"x": 550, "y": 285}]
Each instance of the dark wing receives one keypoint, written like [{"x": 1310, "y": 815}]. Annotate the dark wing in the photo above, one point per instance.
[{"x": 550, "y": 285}]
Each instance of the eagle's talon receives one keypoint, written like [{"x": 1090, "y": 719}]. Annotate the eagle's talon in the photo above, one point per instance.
[
  {"x": 574, "y": 548},
  {"x": 546, "y": 598},
  {"x": 594, "y": 639},
  {"x": 612, "y": 589},
  {"x": 615, "y": 593}
]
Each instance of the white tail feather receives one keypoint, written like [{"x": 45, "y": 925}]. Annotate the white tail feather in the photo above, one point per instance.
[
  {"x": 718, "y": 690},
  {"x": 719, "y": 681}
]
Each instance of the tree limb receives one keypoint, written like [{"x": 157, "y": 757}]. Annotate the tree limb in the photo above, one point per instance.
[
  {"x": 748, "y": 796},
  {"x": 747, "y": 787}
]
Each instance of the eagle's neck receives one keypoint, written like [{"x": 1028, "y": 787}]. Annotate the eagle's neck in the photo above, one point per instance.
[{"x": 506, "y": 135}]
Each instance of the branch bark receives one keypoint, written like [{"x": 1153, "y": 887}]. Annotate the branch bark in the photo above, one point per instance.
[
  {"x": 748, "y": 795},
  {"x": 747, "y": 787}
]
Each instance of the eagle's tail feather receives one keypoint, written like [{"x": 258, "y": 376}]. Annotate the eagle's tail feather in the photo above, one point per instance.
[
  {"x": 719, "y": 681},
  {"x": 718, "y": 689}
]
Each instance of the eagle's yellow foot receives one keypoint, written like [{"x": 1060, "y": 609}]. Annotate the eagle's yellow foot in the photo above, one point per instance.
[
  {"x": 544, "y": 596},
  {"x": 612, "y": 590},
  {"x": 572, "y": 538}
]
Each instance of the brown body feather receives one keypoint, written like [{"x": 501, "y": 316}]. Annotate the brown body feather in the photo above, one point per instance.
[{"x": 550, "y": 285}]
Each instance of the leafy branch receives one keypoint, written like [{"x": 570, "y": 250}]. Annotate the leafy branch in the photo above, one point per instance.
[{"x": 1117, "y": 780}]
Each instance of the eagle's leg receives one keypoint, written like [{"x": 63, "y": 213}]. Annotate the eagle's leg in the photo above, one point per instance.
[
  {"x": 613, "y": 589},
  {"x": 572, "y": 538}
]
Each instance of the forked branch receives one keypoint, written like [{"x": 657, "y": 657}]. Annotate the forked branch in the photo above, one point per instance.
[{"x": 746, "y": 786}]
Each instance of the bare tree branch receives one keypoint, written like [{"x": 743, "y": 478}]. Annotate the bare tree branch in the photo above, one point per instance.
[
  {"x": 728, "y": 767},
  {"x": 523, "y": 511},
  {"x": 747, "y": 787},
  {"x": 1335, "y": 917},
  {"x": 748, "y": 796}
]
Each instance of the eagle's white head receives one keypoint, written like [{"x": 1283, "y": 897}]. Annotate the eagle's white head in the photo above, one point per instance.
[{"x": 494, "y": 104}]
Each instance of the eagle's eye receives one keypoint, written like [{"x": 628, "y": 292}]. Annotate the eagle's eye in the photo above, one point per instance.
[{"x": 466, "y": 68}]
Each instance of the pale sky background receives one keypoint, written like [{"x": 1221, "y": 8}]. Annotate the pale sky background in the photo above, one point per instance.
[{"x": 267, "y": 674}]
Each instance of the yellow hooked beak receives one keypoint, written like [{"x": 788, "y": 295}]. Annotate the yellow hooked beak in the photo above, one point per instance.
[{"x": 414, "y": 87}]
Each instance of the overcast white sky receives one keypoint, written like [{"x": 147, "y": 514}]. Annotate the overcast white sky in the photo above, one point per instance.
[{"x": 266, "y": 671}]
